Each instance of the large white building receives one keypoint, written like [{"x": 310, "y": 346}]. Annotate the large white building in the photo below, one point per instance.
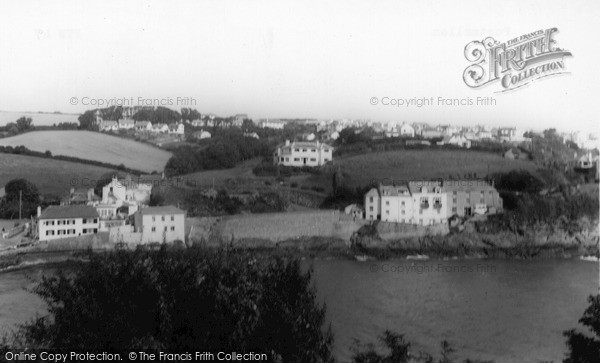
[
  {"x": 57, "y": 222},
  {"x": 121, "y": 198},
  {"x": 422, "y": 203},
  {"x": 152, "y": 225},
  {"x": 302, "y": 153}
]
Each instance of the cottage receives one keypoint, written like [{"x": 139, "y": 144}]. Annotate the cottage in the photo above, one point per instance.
[
  {"x": 143, "y": 126},
  {"x": 354, "y": 210},
  {"x": 272, "y": 124},
  {"x": 407, "y": 130},
  {"x": 108, "y": 125},
  {"x": 126, "y": 124},
  {"x": 201, "y": 135},
  {"x": 160, "y": 128},
  {"x": 177, "y": 128},
  {"x": 57, "y": 222}
]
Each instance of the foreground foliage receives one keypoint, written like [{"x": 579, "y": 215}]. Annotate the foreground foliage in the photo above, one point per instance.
[{"x": 181, "y": 300}]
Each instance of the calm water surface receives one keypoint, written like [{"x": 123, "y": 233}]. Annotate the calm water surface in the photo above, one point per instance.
[{"x": 509, "y": 311}]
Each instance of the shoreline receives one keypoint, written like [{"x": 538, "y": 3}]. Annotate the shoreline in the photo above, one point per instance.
[{"x": 310, "y": 249}]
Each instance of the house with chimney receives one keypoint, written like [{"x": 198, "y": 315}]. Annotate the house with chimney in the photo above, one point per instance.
[
  {"x": 302, "y": 153},
  {"x": 57, "y": 222}
]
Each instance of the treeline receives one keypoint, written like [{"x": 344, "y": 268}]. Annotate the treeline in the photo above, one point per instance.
[
  {"x": 225, "y": 150},
  {"x": 529, "y": 201},
  {"x": 23, "y": 124},
  {"x": 22, "y": 150}
]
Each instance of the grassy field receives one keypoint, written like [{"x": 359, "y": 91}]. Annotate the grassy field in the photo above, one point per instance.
[
  {"x": 93, "y": 146},
  {"x": 50, "y": 176},
  {"x": 403, "y": 165}
]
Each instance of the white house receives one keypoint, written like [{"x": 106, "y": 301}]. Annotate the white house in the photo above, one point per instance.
[
  {"x": 422, "y": 203},
  {"x": 143, "y": 125},
  {"x": 57, "y": 222},
  {"x": 108, "y": 125},
  {"x": 126, "y": 124},
  {"x": 152, "y": 225},
  {"x": 160, "y": 128},
  {"x": 302, "y": 153},
  {"x": 273, "y": 124},
  {"x": 407, "y": 130},
  {"x": 202, "y": 135},
  {"x": 177, "y": 129}
]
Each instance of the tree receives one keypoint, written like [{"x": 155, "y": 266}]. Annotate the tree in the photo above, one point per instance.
[
  {"x": 20, "y": 195},
  {"x": 585, "y": 347},
  {"x": 25, "y": 124},
  {"x": 181, "y": 300}
]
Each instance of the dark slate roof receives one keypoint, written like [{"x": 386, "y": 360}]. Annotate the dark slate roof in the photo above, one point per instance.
[
  {"x": 69, "y": 211},
  {"x": 169, "y": 209}
]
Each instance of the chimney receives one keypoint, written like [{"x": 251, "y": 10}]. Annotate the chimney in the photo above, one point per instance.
[{"x": 39, "y": 211}]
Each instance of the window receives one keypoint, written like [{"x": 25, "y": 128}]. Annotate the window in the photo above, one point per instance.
[
  {"x": 371, "y": 208},
  {"x": 313, "y": 150},
  {"x": 297, "y": 150},
  {"x": 163, "y": 218},
  {"x": 387, "y": 212},
  {"x": 387, "y": 202},
  {"x": 172, "y": 218},
  {"x": 165, "y": 228},
  {"x": 95, "y": 220},
  {"x": 454, "y": 192},
  {"x": 326, "y": 150},
  {"x": 403, "y": 211},
  {"x": 403, "y": 204},
  {"x": 303, "y": 150},
  {"x": 313, "y": 159},
  {"x": 454, "y": 200},
  {"x": 153, "y": 219},
  {"x": 287, "y": 159},
  {"x": 172, "y": 228},
  {"x": 281, "y": 159},
  {"x": 453, "y": 209},
  {"x": 296, "y": 159},
  {"x": 325, "y": 159},
  {"x": 371, "y": 199},
  {"x": 153, "y": 229}
]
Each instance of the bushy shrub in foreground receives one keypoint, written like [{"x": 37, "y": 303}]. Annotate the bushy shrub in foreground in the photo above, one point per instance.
[{"x": 181, "y": 300}]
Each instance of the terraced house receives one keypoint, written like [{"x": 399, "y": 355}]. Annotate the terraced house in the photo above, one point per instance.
[
  {"x": 431, "y": 202},
  {"x": 302, "y": 153},
  {"x": 57, "y": 222}
]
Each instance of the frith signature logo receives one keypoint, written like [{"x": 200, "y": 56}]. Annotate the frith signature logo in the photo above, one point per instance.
[{"x": 516, "y": 62}]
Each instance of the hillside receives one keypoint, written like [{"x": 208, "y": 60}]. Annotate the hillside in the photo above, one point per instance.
[
  {"x": 403, "y": 165},
  {"x": 93, "y": 146},
  {"x": 49, "y": 175}
]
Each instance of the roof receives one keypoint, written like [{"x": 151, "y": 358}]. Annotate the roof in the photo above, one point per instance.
[
  {"x": 143, "y": 123},
  {"x": 415, "y": 186},
  {"x": 127, "y": 121},
  {"x": 305, "y": 144},
  {"x": 169, "y": 209},
  {"x": 466, "y": 185},
  {"x": 69, "y": 211},
  {"x": 108, "y": 122},
  {"x": 394, "y": 190}
]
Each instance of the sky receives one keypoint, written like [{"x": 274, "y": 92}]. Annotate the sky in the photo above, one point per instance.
[{"x": 288, "y": 59}]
